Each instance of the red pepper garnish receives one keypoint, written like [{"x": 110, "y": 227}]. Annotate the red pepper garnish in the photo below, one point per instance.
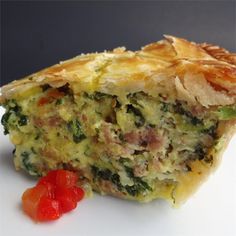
[{"x": 55, "y": 194}]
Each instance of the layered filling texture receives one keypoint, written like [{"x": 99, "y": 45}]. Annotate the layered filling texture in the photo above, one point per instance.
[{"x": 132, "y": 147}]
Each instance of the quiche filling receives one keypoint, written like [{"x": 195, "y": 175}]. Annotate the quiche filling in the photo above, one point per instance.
[{"x": 133, "y": 147}]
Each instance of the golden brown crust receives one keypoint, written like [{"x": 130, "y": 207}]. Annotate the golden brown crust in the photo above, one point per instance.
[
  {"x": 219, "y": 53},
  {"x": 151, "y": 70}
]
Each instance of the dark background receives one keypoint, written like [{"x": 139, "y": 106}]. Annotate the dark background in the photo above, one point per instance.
[{"x": 35, "y": 35}]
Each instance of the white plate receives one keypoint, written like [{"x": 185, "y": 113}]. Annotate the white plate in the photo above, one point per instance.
[{"x": 210, "y": 212}]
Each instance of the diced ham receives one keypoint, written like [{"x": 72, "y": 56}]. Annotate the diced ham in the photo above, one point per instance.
[
  {"x": 152, "y": 139},
  {"x": 107, "y": 135},
  {"x": 54, "y": 121},
  {"x": 117, "y": 150},
  {"x": 156, "y": 163},
  {"x": 50, "y": 121},
  {"x": 148, "y": 138},
  {"x": 84, "y": 118},
  {"x": 132, "y": 137},
  {"x": 39, "y": 122},
  {"x": 49, "y": 153},
  {"x": 207, "y": 140},
  {"x": 197, "y": 110},
  {"x": 140, "y": 170}
]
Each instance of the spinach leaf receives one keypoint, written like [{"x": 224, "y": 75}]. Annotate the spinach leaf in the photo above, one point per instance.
[
  {"x": 45, "y": 87},
  {"x": 74, "y": 127},
  {"x": 199, "y": 150},
  {"x": 178, "y": 108},
  {"x": 22, "y": 120},
  {"x": 212, "y": 130},
  {"x": 134, "y": 190},
  {"x": 139, "y": 119},
  {"x": 4, "y": 122},
  {"x": 164, "y": 107},
  {"x": 139, "y": 185},
  {"x": 106, "y": 174},
  {"x": 97, "y": 96},
  {"x": 13, "y": 116},
  {"x": 28, "y": 166}
]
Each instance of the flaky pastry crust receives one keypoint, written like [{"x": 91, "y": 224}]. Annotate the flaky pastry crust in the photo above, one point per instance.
[{"x": 168, "y": 64}]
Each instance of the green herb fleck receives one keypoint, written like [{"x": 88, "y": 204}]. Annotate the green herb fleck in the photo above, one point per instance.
[
  {"x": 22, "y": 120},
  {"x": 58, "y": 101},
  {"x": 74, "y": 127},
  {"x": 164, "y": 107},
  {"x": 209, "y": 159},
  {"x": 115, "y": 179},
  {"x": 212, "y": 131},
  {"x": 139, "y": 185},
  {"x": 106, "y": 174},
  {"x": 13, "y": 116},
  {"x": 27, "y": 164},
  {"x": 97, "y": 96},
  {"x": 139, "y": 119},
  {"x": 4, "y": 122},
  {"x": 178, "y": 108},
  {"x": 199, "y": 150},
  {"x": 45, "y": 87},
  {"x": 226, "y": 113},
  {"x": 37, "y": 136}
]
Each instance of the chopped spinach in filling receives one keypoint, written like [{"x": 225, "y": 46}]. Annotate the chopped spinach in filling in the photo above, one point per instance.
[
  {"x": 27, "y": 163},
  {"x": 148, "y": 139},
  {"x": 137, "y": 188},
  {"x": 13, "y": 116},
  {"x": 74, "y": 127}
]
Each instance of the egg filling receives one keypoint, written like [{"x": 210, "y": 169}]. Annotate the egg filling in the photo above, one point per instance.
[{"x": 133, "y": 147}]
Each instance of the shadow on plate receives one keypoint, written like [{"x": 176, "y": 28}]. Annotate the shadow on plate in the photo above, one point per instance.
[{"x": 136, "y": 210}]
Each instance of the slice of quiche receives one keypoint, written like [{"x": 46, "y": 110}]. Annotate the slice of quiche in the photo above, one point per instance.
[{"x": 137, "y": 125}]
